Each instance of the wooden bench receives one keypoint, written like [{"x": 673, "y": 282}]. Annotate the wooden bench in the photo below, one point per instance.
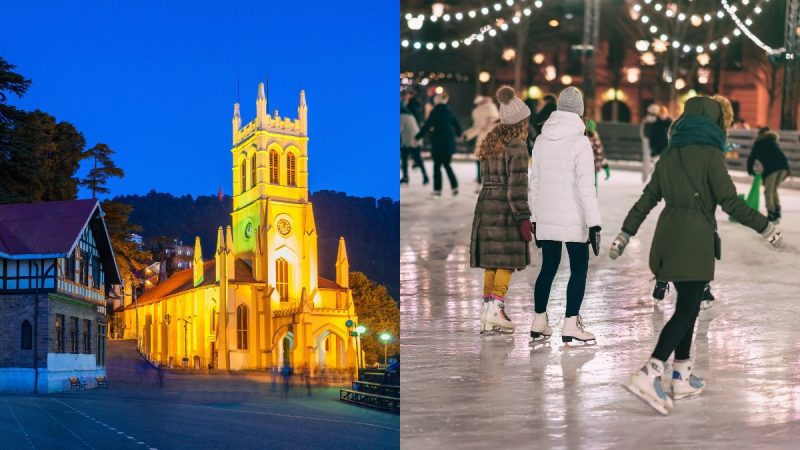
[
  {"x": 101, "y": 381},
  {"x": 75, "y": 384},
  {"x": 371, "y": 400}
]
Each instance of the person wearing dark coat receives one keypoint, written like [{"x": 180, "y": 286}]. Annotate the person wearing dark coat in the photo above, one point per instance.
[
  {"x": 692, "y": 178},
  {"x": 501, "y": 227},
  {"x": 544, "y": 113},
  {"x": 444, "y": 129},
  {"x": 659, "y": 131},
  {"x": 775, "y": 169}
]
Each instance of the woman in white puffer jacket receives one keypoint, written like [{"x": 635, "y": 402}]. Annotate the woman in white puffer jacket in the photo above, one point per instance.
[{"x": 563, "y": 209}]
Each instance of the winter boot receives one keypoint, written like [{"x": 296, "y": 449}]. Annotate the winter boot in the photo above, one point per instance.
[
  {"x": 708, "y": 298},
  {"x": 485, "y": 328},
  {"x": 573, "y": 331},
  {"x": 777, "y": 213},
  {"x": 771, "y": 216},
  {"x": 645, "y": 383},
  {"x": 496, "y": 319},
  {"x": 684, "y": 383},
  {"x": 436, "y": 195},
  {"x": 540, "y": 330}
]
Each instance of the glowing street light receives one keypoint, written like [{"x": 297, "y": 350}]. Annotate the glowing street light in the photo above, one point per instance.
[
  {"x": 550, "y": 73},
  {"x": 566, "y": 80},
  {"x": 553, "y": 23},
  {"x": 509, "y": 54},
  {"x": 538, "y": 58},
  {"x": 385, "y": 338},
  {"x": 484, "y": 77}
]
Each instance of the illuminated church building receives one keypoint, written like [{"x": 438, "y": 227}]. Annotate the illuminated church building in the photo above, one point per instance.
[{"x": 259, "y": 303}]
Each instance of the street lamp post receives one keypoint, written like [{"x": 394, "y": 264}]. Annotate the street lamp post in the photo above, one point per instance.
[
  {"x": 186, "y": 323},
  {"x": 385, "y": 338},
  {"x": 361, "y": 329}
]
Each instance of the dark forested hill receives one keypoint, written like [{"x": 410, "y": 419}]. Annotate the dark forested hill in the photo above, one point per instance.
[{"x": 371, "y": 228}]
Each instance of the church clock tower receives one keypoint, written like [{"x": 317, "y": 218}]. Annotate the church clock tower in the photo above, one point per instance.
[{"x": 273, "y": 221}]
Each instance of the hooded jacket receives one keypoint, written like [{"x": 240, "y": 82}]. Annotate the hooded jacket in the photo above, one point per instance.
[
  {"x": 683, "y": 243},
  {"x": 562, "y": 195},
  {"x": 444, "y": 129}
]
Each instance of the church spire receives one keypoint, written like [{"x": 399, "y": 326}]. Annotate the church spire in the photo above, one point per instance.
[
  {"x": 197, "y": 264},
  {"x": 236, "y": 122},
  {"x": 261, "y": 107},
  {"x": 342, "y": 265},
  {"x": 302, "y": 112}
]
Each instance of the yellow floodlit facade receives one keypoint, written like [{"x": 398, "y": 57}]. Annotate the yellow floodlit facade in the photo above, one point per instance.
[{"x": 259, "y": 303}]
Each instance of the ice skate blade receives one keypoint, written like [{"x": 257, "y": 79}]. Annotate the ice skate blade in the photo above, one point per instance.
[
  {"x": 571, "y": 341},
  {"x": 497, "y": 329},
  {"x": 539, "y": 343},
  {"x": 537, "y": 335},
  {"x": 686, "y": 395},
  {"x": 647, "y": 400}
]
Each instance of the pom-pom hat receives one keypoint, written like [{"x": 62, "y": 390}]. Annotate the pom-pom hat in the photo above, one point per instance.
[{"x": 512, "y": 109}]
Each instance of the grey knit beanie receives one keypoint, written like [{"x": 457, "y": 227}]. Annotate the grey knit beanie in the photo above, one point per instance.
[
  {"x": 512, "y": 109},
  {"x": 570, "y": 100}
]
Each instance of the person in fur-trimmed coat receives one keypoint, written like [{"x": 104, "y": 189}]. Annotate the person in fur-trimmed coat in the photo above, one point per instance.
[{"x": 501, "y": 227}]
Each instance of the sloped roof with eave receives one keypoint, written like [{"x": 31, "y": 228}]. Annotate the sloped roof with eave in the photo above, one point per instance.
[
  {"x": 52, "y": 230},
  {"x": 184, "y": 280}
]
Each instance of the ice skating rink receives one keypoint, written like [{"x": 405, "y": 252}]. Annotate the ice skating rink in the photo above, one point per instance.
[{"x": 461, "y": 390}]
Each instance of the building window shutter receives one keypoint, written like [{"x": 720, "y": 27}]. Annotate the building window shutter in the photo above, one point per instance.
[
  {"x": 253, "y": 165},
  {"x": 282, "y": 279},
  {"x": 241, "y": 327},
  {"x": 244, "y": 175},
  {"x": 291, "y": 170},
  {"x": 274, "y": 167}
]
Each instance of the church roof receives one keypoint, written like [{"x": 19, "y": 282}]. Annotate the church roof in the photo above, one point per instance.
[
  {"x": 324, "y": 283},
  {"x": 184, "y": 280},
  {"x": 52, "y": 230}
]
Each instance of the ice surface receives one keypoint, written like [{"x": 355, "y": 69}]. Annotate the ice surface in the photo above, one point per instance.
[{"x": 461, "y": 390}]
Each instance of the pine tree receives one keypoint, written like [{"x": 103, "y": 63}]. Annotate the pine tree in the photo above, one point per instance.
[
  {"x": 10, "y": 82},
  {"x": 103, "y": 169},
  {"x": 128, "y": 256}
]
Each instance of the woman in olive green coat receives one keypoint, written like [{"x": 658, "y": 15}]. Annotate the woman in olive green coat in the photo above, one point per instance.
[{"x": 692, "y": 178}]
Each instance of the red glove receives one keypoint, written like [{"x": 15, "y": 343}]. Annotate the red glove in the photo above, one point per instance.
[{"x": 525, "y": 231}]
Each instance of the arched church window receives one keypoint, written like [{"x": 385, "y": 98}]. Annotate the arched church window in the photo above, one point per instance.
[
  {"x": 241, "y": 327},
  {"x": 253, "y": 165},
  {"x": 274, "y": 167},
  {"x": 282, "y": 279},
  {"x": 291, "y": 170},
  {"x": 244, "y": 175},
  {"x": 27, "y": 336}
]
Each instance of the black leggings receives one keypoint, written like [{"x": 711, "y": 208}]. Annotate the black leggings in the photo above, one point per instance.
[
  {"x": 677, "y": 333},
  {"x": 578, "y": 267},
  {"x": 414, "y": 153}
]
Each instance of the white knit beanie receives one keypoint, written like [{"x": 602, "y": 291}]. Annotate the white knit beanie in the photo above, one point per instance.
[
  {"x": 570, "y": 100},
  {"x": 512, "y": 109}
]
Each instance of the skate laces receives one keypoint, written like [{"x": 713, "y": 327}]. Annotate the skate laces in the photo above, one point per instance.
[
  {"x": 579, "y": 323},
  {"x": 502, "y": 311}
]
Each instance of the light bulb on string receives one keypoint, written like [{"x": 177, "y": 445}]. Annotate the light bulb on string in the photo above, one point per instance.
[
  {"x": 648, "y": 58},
  {"x": 642, "y": 45}
]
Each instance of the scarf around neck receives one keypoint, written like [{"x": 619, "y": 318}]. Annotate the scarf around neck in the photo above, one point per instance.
[{"x": 697, "y": 130}]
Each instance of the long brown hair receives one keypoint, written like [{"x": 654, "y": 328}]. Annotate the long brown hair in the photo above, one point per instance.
[{"x": 495, "y": 142}]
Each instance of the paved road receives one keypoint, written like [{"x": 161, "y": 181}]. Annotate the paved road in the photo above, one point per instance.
[
  {"x": 462, "y": 390},
  {"x": 197, "y": 412}
]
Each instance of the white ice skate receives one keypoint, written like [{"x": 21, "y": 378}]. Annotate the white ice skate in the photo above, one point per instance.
[
  {"x": 540, "y": 330},
  {"x": 684, "y": 383},
  {"x": 496, "y": 319},
  {"x": 485, "y": 328},
  {"x": 573, "y": 332},
  {"x": 645, "y": 383}
]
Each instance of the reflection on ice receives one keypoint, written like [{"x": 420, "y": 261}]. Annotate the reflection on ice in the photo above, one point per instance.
[{"x": 461, "y": 389}]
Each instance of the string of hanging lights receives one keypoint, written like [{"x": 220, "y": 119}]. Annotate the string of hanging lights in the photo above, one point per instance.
[
  {"x": 417, "y": 21},
  {"x": 731, "y": 10},
  {"x": 663, "y": 39},
  {"x": 488, "y": 30},
  {"x": 670, "y": 11}
]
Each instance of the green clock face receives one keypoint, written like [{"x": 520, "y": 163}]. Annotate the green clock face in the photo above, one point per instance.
[{"x": 248, "y": 230}]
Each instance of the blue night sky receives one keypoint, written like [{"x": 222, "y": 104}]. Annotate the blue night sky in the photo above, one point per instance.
[{"x": 156, "y": 81}]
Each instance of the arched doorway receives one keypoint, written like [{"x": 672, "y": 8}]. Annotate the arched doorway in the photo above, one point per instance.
[
  {"x": 330, "y": 350},
  {"x": 285, "y": 347},
  {"x": 623, "y": 112}
]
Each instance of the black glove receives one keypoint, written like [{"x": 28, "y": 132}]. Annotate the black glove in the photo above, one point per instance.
[
  {"x": 535, "y": 240},
  {"x": 594, "y": 239}
]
